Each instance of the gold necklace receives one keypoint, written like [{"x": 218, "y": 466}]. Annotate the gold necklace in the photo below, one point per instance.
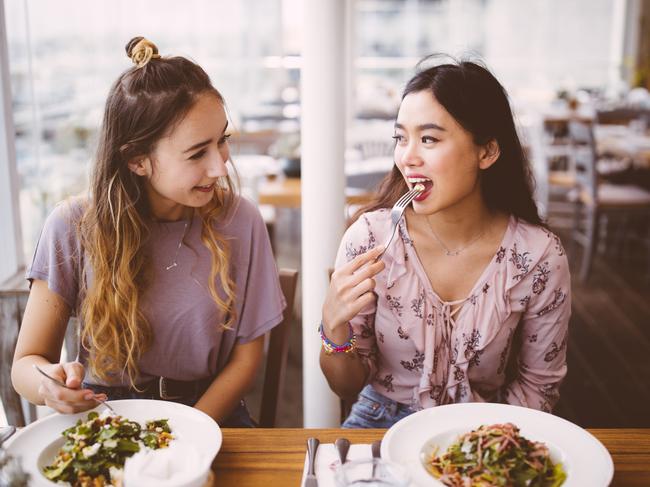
[
  {"x": 178, "y": 249},
  {"x": 454, "y": 252}
]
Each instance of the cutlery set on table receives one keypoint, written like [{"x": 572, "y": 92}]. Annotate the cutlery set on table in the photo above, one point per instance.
[{"x": 324, "y": 461}]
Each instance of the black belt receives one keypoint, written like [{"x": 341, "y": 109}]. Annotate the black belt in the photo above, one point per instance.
[
  {"x": 170, "y": 389},
  {"x": 158, "y": 388}
]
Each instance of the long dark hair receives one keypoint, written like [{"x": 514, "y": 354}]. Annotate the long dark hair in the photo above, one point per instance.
[{"x": 478, "y": 102}]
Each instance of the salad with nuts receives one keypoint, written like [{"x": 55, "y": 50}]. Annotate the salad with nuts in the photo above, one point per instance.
[
  {"x": 496, "y": 456},
  {"x": 95, "y": 450}
]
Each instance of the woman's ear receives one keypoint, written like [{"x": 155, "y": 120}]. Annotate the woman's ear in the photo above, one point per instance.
[
  {"x": 139, "y": 165},
  {"x": 489, "y": 154}
]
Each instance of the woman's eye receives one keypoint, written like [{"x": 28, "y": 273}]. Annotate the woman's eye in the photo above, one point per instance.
[
  {"x": 427, "y": 139},
  {"x": 198, "y": 155},
  {"x": 224, "y": 139},
  {"x": 398, "y": 138}
]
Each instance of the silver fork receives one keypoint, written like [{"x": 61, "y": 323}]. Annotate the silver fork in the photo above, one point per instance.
[
  {"x": 63, "y": 385},
  {"x": 396, "y": 214}
]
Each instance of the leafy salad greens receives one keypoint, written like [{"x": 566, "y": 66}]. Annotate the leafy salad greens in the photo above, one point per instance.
[
  {"x": 95, "y": 450},
  {"x": 496, "y": 456}
]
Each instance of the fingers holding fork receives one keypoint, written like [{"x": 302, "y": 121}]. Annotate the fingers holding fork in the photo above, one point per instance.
[{"x": 71, "y": 399}]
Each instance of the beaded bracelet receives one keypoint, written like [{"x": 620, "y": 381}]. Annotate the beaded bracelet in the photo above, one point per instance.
[{"x": 329, "y": 347}]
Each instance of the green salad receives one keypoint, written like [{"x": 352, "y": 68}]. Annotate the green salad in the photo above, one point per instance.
[
  {"x": 95, "y": 450},
  {"x": 496, "y": 456}
]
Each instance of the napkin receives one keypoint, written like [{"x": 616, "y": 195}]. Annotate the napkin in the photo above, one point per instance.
[
  {"x": 179, "y": 465},
  {"x": 327, "y": 459}
]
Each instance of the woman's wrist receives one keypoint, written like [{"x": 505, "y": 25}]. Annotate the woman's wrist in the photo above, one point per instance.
[
  {"x": 337, "y": 332},
  {"x": 330, "y": 346}
]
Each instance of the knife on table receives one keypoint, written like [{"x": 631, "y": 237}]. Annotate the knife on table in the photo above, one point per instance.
[{"x": 312, "y": 446}]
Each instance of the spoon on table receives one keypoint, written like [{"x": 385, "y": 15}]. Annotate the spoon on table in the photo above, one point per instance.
[
  {"x": 375, "y": 447},
  {"x": 6, "y": 432},
  {"x": 312, "y": 447},
  {"x": 342, "y": 446},
  {"x": 57, "y": 381}
]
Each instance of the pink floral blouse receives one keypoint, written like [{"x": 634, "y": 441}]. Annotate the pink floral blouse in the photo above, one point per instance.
[{"x": 505, "y": 342}]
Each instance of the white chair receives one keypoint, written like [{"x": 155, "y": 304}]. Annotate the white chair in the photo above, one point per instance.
[{"x": 626, "y": 205}]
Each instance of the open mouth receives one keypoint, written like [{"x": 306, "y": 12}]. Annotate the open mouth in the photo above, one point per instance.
[
  {"x": 425, "y": 182},
  {"x": 205, "y": 189}
]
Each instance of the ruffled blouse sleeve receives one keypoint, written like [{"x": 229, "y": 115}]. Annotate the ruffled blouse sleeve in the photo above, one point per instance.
[
  {"x": 358, "y": 239},
  {"x": 541, "y": 364}
]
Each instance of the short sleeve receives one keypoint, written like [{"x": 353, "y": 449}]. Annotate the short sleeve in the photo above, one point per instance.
[
  {"x": 262, "y": 300},
  {"x": 544, "y": 334},
  {"x": 57, "y": 259},
  {"x": 357, "y": 240}
]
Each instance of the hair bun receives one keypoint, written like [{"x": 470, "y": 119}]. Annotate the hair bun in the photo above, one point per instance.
[{"x": 141, "y": 51}]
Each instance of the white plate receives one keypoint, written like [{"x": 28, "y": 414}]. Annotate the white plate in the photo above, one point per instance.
[
  {"x": 586, "y": 461},
  {"x": 187, "y": 424}
]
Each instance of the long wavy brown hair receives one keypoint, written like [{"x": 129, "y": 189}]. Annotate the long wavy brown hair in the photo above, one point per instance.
[
  {"x": 478, "y": 102},
  {"x": 144, "y": 103}
]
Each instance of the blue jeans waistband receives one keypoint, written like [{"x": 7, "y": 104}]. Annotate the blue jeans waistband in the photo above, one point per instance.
[{"x": 374, "y": 410}]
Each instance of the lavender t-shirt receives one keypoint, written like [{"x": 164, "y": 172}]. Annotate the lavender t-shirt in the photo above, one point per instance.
[{"x": 189, "y": 341}]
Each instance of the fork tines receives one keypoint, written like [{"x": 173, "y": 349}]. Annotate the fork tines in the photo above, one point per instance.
[{"x": 407, "y": 197}]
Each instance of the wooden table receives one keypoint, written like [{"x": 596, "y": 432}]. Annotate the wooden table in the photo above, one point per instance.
[
  {"x": 270, "y": 457},
  {"x": 285, "y": 193}
]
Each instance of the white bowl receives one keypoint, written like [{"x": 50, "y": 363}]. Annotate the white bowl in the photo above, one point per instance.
[{"x": 37, "y": 444}]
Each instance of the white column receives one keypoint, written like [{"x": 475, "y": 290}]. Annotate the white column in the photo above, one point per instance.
[
  {"x": 631, "y": 38},
  {"x": 617, "y": 43},
  {"x": 323, "y": 186},
  {"x": 350, "y": 53},
  {"x": 11, "y": 248}
]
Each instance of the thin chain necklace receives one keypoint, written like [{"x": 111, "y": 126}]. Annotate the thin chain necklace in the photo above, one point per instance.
[
  {"x": 454, "y": 252},
  {"x": 178, "y": 249}
]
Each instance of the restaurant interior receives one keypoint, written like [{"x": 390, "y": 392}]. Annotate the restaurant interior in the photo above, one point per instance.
[{"x": 578, "y": 78}]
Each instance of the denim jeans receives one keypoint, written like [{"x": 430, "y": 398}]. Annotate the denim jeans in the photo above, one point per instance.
[
  {"x": 239, "y": 418},
  {"x": 372, "y": 410}
]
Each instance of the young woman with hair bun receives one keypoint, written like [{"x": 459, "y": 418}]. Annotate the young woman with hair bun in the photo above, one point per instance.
[{"x": 157, "y": 262}]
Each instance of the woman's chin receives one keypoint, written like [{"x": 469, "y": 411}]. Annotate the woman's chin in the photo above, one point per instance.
[{"x": 425, "y": 207}]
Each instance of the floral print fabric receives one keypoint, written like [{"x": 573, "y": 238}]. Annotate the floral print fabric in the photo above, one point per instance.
[{"x": 505, "y": 342}]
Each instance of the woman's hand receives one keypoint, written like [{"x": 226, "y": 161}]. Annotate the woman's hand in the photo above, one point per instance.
[
  {"x": 350, "y": 290},
  {"x": 68, "y": 400}
]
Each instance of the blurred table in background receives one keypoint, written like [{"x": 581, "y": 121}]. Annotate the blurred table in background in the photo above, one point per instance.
[
  {"x": 285, "y": 193},
  {"x": 624, "y": 141}
]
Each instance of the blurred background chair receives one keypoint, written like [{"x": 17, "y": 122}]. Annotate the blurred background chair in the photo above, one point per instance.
[
  {"x": 277, "y": 351},
  {"x": 13, "y": 299},
  {"x": 559, "y": 171},
  {"x": 601, "y": 207}
]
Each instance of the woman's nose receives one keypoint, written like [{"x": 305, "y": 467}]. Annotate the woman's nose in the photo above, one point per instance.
[
  {"x": 217, "y": 166},
  {"x": 408, "y": 155}
]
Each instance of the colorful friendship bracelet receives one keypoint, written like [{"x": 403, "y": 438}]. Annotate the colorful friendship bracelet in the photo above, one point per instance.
[{"x": 329, "y": 347}]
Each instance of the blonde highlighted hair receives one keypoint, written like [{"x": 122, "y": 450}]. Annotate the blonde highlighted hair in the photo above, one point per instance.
[{"x": 143, "y": 104}]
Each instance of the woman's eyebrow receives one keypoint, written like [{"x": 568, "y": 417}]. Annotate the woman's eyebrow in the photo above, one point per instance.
[
  {"x": 424, "y": 126},
  {"x": 196, "y": 146}
]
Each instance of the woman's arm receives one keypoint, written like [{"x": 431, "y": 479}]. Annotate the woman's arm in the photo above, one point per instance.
[
  {"x": 350, "y": 299},
  {"x": 39, "y": 342},
  {"x": 541, "y": 361},
  {"x": 234, "y": 381}
]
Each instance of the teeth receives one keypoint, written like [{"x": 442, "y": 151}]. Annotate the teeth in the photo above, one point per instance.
[{"x": 418, "y": 180}]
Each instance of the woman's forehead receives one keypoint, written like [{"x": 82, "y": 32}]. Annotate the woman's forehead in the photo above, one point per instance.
[
  {"x": 207, "y": 118},
  {"x": 421, "y": 108}
]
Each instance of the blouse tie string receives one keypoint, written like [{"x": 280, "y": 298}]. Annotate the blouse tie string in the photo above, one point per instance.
[{"x": 438, "y": 356}]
